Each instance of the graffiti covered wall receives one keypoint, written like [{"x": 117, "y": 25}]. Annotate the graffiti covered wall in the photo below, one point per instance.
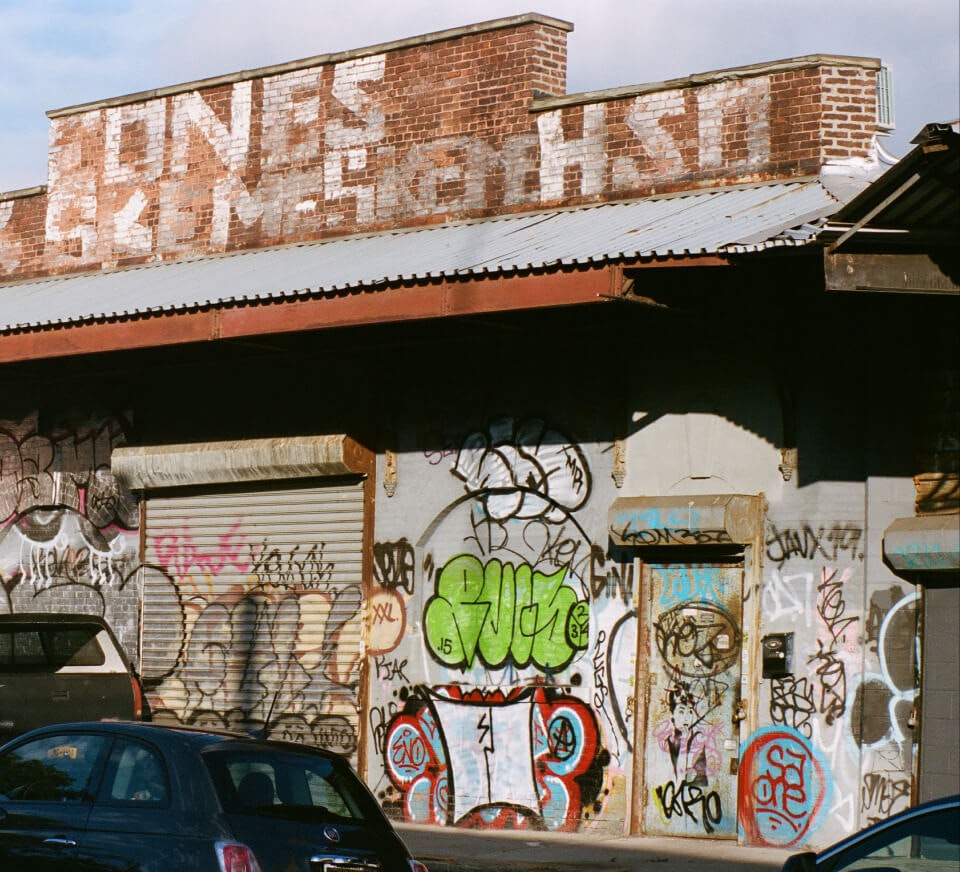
[
  {"x": 504, "y": 698},
  {"x": 502, "y": 640},
  {"x": 68, "y": 530},
  {"x": 838, "y": 751}
]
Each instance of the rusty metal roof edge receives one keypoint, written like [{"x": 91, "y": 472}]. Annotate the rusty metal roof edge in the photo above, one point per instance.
[{"x": 536, "y": 242}]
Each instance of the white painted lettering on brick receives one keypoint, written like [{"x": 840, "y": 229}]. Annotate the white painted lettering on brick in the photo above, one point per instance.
[
  {"x": 521, "y": 177},
  {"x": 588, "y": 153},
  {"x": 146, "y": 120},
  {"x": 128, "y": 232},
  {"x": 72, "y": 191},
  {"x": 230, "y": 144},
  {"x": 9, "y": 248},
  {"x": 191, "y": 113},
  {"x": 291, "y": 119},
  {"x": 662, "y": 157},
  {"x": 726, "y": 103},
  {"x": 348, "y": 144}
]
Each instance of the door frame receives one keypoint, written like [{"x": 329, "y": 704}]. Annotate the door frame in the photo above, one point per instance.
[{"x": 699, "y": 529}]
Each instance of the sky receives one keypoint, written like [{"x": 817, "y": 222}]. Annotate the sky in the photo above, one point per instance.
[{"x": 60, "y": 53}]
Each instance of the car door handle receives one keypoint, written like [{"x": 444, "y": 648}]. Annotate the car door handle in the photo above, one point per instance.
[
  {"x": 61, "y": 696},
  {"x": 61, "y": 842}
]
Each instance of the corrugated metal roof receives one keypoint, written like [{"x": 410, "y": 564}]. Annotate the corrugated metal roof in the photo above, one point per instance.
[
  {"x": 704, "y": 222},
  {"x": 920, "y": 193}
]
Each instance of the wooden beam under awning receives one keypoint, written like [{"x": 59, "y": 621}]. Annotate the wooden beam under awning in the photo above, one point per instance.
[
  {"x": 478, "y": 295},
  {"x": 893, "y": 273}
]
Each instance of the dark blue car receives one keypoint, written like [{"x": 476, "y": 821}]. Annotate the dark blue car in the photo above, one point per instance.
[
  {"x": 925, "y": 838},
  {"x": 138, "y": 797}
]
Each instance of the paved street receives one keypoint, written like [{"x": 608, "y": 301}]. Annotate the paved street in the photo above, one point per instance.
[{"x": 446, "y": 850}]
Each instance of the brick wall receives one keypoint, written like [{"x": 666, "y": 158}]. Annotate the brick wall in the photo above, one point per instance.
[
  {"x": 849, "y": 93},
  {"x": 458, "y": 124}
]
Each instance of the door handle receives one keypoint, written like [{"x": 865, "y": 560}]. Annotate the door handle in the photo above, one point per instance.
[
  {"x": 61, "y": 842},
  {"x": 740, "y": 712}
]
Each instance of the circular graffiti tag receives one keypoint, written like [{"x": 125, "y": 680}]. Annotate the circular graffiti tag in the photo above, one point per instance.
[
  {"x": 783, "y": 788},
  {"x": 563, "y": 738},
  {"x": 697, "y": 638}
]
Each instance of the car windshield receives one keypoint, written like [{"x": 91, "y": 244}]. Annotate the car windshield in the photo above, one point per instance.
[{"x": 291, "y": 785}]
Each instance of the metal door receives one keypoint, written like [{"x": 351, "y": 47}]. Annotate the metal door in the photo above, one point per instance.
[
  {"x": 253, "y": 611},
  {"x": 693, "y": 699}
]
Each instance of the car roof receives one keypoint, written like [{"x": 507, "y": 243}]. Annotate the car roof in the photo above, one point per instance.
[
  {"x": 51, "y": 618},
  {"x": 195, "y": 735}
]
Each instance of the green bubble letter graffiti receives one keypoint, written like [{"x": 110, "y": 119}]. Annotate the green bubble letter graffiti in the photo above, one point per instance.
[{"x": 497, "y": 613}]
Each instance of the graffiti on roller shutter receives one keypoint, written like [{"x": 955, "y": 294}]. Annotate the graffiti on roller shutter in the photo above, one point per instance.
[{"x": 263, "y": 652}]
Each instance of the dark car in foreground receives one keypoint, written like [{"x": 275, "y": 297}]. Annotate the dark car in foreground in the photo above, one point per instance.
[
  {"x": 925, "y": 838},
  {"x": 62, "y": 667},
  {"x": 141, "y": 797}
]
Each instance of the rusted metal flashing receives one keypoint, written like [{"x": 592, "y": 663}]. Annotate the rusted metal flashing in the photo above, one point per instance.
[{"x": 356, "y": 308}]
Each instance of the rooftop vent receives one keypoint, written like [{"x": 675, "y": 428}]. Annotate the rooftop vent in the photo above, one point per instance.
[{"x": 886, "y": 119}]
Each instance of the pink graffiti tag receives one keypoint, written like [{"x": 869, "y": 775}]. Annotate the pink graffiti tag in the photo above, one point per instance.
[
  {"x": 783, "y": 788},
  {"x": 181, "y": 556}
]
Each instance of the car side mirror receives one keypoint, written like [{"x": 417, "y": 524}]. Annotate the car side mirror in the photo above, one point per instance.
[{"x": 805, "y": 862}]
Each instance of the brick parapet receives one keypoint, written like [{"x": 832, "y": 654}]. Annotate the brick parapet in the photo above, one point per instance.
[{"x": 459, "y": 124}]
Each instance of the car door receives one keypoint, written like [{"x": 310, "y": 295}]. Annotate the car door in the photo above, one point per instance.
[
  {"x": 45, "y": 799},
  {"x": 27, "y": 688},
  {"x": 145, "y": 818},
  {"x": 90, "y": 678}
]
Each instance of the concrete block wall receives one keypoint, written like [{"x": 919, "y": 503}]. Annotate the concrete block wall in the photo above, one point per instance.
[{"x": 940, "y": 728}]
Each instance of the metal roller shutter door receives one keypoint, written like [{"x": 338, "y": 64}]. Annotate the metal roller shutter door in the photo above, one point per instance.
[{"x": 253, "y": 611}]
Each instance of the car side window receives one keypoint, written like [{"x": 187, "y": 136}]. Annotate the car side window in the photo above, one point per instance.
[
  {"x": 21, "y": 649},
  {"x": 136, "y": 775},
  {"x": 56, "y": 768},
  {"x": 923, "y": 844},
  {"x": 74, "y": 646}
]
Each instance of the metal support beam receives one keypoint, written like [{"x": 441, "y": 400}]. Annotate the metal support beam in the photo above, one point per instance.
[
  {"x": 439, "y": 299},
  {"x": 892, "y": 273}
]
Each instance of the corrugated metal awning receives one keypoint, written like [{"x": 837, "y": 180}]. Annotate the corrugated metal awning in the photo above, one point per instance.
[{"x": 703, "y": 222}]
